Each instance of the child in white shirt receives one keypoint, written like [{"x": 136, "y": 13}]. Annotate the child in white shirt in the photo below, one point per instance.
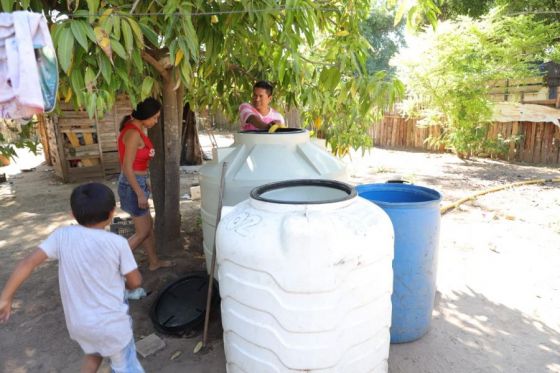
[{"x": 93, "y": 267}]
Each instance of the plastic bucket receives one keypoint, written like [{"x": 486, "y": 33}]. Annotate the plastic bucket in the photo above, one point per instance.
[{"x": 414, "y": 212}]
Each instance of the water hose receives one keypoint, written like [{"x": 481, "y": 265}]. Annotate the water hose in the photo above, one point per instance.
[{"x": 446, "y": 209}]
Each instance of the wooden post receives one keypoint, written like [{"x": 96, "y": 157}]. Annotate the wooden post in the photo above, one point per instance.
[{"x": 44, "y": 138}]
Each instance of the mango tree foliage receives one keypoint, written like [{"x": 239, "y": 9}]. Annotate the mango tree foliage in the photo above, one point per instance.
[
  {"x": 448, "y": 73},
  {"x": 17, "y": 135},
  {"x": 209, "y": 53}
]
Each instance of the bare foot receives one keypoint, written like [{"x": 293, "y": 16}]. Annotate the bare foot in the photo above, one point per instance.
[{"x": 161, "y": 264}]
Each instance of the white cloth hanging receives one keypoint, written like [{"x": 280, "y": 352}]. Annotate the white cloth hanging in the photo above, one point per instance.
[{"x": 21, "y": 34}]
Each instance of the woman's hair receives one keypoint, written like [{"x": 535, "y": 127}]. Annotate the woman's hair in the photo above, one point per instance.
[
  {"x": 125, "y": 119},
  {"x": 144, "y": 110},
  {"x": 92, "y": 203}
]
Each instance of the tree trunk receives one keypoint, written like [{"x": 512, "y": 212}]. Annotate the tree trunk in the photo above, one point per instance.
[
  {"x": 165, "y": 171},
  {"x": 157, "y": 174},
  {"x": 188, "y": 117},
  {"x": 191, "y": 145}
]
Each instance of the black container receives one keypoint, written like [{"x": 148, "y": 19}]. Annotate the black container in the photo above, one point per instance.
[{"x": 181, "y": 306}]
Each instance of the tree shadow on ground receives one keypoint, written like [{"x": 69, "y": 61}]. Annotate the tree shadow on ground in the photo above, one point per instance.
[
  {"x": 453, "y": 177},
  {"x": 470, "y": 333}
]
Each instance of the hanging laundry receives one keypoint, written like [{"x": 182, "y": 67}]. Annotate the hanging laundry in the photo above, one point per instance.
[{"x": 28, "y": 67}]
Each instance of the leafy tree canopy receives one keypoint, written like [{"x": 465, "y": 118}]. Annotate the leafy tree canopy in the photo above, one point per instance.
[
  {"x": 17, "y": 135},
  {"x": 313, "y": 51},
  {"x": 209, "y": 53},
  {"x": 385, "y": 38},
  {"x": 545, "y": 10},
  {"x": 474, "y": 8},
  {"x": 449, "y": 71}
]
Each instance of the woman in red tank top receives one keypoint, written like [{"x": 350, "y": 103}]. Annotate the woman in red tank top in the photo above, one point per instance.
[{"x": 135, "y": 152}]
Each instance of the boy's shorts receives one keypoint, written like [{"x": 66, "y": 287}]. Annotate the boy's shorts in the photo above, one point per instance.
[
  {"x": 126, "y": 360},
  {"x": 129, "y": 199}
]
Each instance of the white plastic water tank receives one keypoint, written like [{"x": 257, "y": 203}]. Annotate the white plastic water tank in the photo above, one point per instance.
[
  {"x": 305, "y": 280},
  {"x": 257, "y": 158}
]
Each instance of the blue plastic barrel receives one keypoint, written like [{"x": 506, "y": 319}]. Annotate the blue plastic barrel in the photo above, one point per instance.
[{"x": 414, "y": 212}]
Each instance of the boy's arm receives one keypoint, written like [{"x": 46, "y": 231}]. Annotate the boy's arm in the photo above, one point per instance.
[
  {"x": 19, "y": 275},
  {"x": 133, "y": 279}
]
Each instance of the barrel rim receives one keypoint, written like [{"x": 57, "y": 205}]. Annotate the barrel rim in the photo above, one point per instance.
[
  {"x": 256, "y": 193},
  {"x": 279, "y": 131},
  {"x": 433, "y": 195}
]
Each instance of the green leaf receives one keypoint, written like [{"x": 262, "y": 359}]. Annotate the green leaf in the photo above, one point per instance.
[
  {"x": 78, "y": 29},
  {"x": 150, "y": 34},
  {"x": 400, "y": 12},
  {"x": 124, "y": 76},
  {"x": 107, "y": 22},
  {"x": 281, "y": 70},
  {"x": 93, "y": 6},
  {"x": 91, "y": 104},
  {"x": 100, "y": 106},
  {"x": 89, "y": 32},
  {"x": 137, "y": 60},
  {"x": 77, "y": 83},
  {"x": 116, "y": 27},
  {"x": 118, "y": 49},
  {"x": 65, "y": 49},
  {"x": 89, "y": 79},
  {"x": 127, "y": 36},
  {"x": 105, "y": 67},
  {"x": 329, "y": 78},
  {"x": 172, "y": 47},
  {"x": 55, "y": 32},
  {"x": 147, "y": 85},
  {"x": 140, "y": 30},
  {"x": 186, "y": 72},
  {"x": 7, "y": 5}
]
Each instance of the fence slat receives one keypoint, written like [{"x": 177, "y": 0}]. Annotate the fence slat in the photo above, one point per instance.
[{"x": 537, "y": 143}]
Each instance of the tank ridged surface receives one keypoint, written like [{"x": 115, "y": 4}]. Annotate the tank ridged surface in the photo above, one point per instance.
[{"x": 305, "y": 287}]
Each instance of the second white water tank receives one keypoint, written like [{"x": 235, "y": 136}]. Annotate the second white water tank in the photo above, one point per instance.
[
  {"x": 257, "y": 158},
  {"x": 305, "y": 280}
]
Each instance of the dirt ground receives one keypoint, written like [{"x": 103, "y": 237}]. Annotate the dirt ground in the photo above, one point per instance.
[{"x": 497, "y": 305}]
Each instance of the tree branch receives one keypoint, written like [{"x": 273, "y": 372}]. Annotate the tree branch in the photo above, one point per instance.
[
  {"x": 155, "y": 64},
  {"x": 134, "y": 6},
  {"x": 235, "y": 67}
]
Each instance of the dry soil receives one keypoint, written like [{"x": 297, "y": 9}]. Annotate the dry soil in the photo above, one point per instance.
[{"x": 497, "y": 305}]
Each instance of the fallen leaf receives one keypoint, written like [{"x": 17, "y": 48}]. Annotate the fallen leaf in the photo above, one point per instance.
[
  {"x": 198, "y": 347},
  {"x": 175, "y": 355}
]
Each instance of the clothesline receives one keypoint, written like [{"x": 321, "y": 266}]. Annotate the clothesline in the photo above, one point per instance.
[
  {"x": 265, "y": 10},
  {"x": 210, "y": 13}
]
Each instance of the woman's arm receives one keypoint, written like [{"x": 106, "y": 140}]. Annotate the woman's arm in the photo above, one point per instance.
[
  {"x": 132, "y": 141},
  {"x": 19, "y": 275}
]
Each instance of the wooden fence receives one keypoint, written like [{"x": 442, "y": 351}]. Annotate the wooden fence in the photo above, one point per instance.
[{"x": 539, "y": 143}]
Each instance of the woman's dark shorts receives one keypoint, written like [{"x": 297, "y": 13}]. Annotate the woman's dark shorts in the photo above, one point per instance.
[{"x": 129, "y": 200}]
